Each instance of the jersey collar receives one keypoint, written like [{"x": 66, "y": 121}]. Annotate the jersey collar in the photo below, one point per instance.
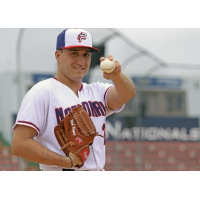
[{"x": 81, "y": 88}]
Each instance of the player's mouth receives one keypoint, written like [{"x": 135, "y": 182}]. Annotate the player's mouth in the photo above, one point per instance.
[{"x": 78, "y": 69}]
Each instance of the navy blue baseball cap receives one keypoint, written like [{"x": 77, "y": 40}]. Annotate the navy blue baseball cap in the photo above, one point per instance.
[{"x": 74, "y": 37}]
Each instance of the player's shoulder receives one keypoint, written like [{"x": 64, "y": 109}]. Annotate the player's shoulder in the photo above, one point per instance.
[
  {"x": 44, "y": 85},
  {"x": 96, "y": 85}
]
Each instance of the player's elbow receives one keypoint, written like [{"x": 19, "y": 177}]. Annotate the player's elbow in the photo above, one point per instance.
[
  {"x": 15, "y": 148},
  {"x": 131, "y": 93},
  {"x": 128, "y": 96}
]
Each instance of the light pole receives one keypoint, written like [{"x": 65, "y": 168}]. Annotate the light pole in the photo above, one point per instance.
[
  {"x": 18, "y": 60},
  {"x": 19, "y": 80}
]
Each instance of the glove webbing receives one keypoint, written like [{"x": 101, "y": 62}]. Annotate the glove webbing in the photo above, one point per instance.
[{"x": 85, "y": 129}]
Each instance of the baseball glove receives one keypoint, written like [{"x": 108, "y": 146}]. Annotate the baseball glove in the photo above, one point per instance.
[{"x": 75, "y": 133}]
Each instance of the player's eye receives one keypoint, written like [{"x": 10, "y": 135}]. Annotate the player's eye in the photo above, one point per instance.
[
  {"x": 74, "y": 53},
  {"x": 87, "y": 54}
]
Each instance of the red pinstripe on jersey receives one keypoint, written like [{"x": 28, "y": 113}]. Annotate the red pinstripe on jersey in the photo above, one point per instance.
[
  {"x": 105, "y": 98},
  {"x": 25, "y": 122}
]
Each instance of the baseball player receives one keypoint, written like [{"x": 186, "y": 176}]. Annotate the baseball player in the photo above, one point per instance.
[{"x": 49, "y": 101}]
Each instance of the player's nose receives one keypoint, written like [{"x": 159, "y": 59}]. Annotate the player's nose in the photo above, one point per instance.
[{"x": 81, "y": 60}]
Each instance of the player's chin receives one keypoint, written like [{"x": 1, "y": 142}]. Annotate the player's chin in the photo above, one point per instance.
[{"x": 78, "y": 78}]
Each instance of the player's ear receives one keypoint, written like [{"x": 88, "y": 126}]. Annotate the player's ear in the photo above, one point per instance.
[{"x": 57, "y": 55}]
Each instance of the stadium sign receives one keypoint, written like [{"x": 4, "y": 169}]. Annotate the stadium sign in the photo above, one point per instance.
[
  {"x": 40, "y": 77},
  {"x": 116, "y": 131}
]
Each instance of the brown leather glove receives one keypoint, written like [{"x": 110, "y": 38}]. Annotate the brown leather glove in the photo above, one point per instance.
[{"x": 75, "y": 133}]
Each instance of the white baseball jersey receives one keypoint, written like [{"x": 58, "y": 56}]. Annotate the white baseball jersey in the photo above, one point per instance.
[{"x": 47, "y": 103}]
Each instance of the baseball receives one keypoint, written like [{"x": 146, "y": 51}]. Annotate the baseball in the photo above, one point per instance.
[{"x": 107, "y": 65}]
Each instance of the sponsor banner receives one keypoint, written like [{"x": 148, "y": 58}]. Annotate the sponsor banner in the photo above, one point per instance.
[
  {"x": 40, "y": 77},
  {"x": 117, "y": 131}
]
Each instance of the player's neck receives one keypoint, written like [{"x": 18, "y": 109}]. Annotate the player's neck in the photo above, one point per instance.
[{"x": 73, "y": 85}]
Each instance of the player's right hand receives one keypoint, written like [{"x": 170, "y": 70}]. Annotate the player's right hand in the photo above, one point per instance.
[
  {"x": 76, "y": 159},
  {"x": 117, "y": 71}
]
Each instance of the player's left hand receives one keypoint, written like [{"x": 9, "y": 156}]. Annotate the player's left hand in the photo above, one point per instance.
[
  {"x": 76, "y": 159},
  {"x": 117, "y": 71}
]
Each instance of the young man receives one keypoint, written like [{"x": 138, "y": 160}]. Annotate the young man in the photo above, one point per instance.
[{"x": 47, "y": 103}]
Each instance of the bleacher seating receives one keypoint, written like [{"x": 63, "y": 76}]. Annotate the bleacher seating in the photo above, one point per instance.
[
  {"x": 9, "y": 162},
  {"x": 130, "y": 156},
  {"x": 152, "y": 156}
]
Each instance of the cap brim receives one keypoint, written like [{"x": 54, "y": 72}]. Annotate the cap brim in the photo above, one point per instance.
[{"x": 92, "y": 48}]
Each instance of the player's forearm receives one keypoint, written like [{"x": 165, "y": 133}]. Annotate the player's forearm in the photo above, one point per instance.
[
  {"x": 31, "y": 150},
  {"x": 125, "y": 87}
]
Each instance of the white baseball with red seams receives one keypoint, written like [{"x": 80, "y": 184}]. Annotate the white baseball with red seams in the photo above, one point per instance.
[
  {"x": 47, "y": 103},
  {"x": 107, "y": 65}
]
